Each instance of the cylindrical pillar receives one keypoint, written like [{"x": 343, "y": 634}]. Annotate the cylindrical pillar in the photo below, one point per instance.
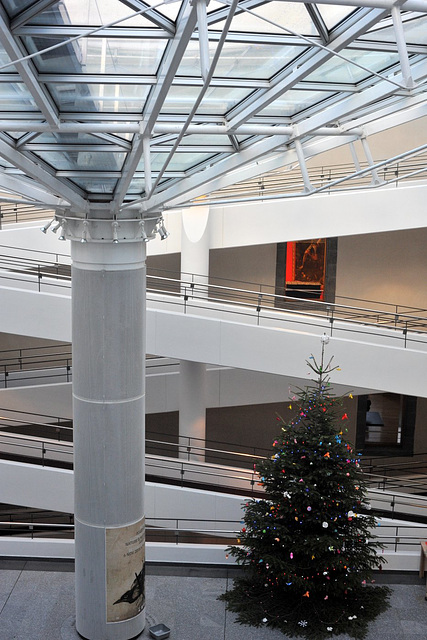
[
  {"x": 192, "y": 410},
  {"x": 195, "y": 244},
  {"x": 108, "y": 311}
]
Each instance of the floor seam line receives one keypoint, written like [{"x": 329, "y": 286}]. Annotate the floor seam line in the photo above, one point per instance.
[{"x": 12, "y": 590}]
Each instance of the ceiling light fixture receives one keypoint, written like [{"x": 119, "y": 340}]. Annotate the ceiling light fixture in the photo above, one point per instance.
[
  {"x": 115, "y": 225},
  {"x": 161, "y": 230},
  {"x": 46, "y": 226}
]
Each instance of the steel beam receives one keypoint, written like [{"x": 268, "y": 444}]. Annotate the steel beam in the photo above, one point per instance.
[
  {"x": 202, "y": 93},
  {"x": 311, "y": 61},
  {"x": 227, "y": 173},
  {"x": 410, "y": 5},
  {"x": 26, "y": 71},
  {"x": 31, "y": 11},
  {"x": 27, "y": 189},
  {"x": 202, "y": 28},
  {"x": 170, "y": 63},
  {"x": 154, "y": 16},
  {"x": 401, "y": 47},
  {"x": 213, "y": 175},
  {"x": 36, "y": 172}
]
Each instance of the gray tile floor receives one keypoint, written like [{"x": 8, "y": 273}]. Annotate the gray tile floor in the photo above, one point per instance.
[{"x": 37, "y": 603}]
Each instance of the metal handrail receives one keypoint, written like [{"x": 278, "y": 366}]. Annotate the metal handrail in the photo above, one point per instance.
[
  {"x": 393, "y": 537},
  {"x": 204, "y": 470},
  {"x": 289, "y": 182},
  {"x": 280, "y": 183},
  {"x": 252, "y": 300}
]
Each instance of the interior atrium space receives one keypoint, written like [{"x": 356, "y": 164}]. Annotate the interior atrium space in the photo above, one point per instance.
[{"x": 198, "y": 197}]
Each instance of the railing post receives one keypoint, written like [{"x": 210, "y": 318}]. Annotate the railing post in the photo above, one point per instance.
[
  {"x": 405, "y": 333},
  {"x": 185, "y": 299},
  {"x": 258, "y": 308},
  {"x": 39, "y": 277}
]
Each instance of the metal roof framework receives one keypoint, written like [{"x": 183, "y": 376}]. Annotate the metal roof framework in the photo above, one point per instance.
[{"x": 124, "y": 109}]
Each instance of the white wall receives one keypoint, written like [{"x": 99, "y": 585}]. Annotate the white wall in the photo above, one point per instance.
[{"x": 388, "y": 267}]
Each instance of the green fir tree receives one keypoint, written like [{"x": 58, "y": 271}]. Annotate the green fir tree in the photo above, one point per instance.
[{"x": 307, "y": 547}]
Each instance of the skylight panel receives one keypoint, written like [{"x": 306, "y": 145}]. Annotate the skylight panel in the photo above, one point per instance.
[
  {"x": 66, "y": 138},
  {"x": 216, "y": 101},
  {"x": 294, "y": 102},
  {"x": 97, "y": 55},
  {"x": 96, "y": 184},
  {"x": 14, "y": 96},
  {"x": 414, "y": 28},
  {"x": 13, "y": 7},
  {"x": 334, "y": 14},
  {"x": 5, "y": 59},
  {"x": 168, "y": 9},
  {"x": 241, "y": 60},
  {"x": 89, "y": 13},
  {"x": 83, "y": 160},
  {"x": 107, "y": 98},
  {"x": 277, "y": 15},
  {"x": 338, "y": 70},
  {"x": 179, "y": 162}
]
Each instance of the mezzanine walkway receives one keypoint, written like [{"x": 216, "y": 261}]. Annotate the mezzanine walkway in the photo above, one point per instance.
[{"x": 381, "y": 349}]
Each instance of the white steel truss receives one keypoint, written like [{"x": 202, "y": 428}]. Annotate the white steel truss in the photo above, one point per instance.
[{"x": 148, "y": 105}]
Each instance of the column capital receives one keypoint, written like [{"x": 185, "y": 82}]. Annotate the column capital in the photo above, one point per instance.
[{"x": 108, "y": 229}]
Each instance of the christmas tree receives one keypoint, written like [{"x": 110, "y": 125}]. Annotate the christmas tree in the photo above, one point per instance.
[{"x": 307, "y": 547}]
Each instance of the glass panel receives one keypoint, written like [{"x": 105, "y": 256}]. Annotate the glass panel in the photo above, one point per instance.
[
  {"x": 96, "y": 185},
  {"x": 4, "y": 59},
  {"x": 200, "y": 140},
  {"x": 415, "y": 32},
  {"x": 240, "y": 60},
  {"x": 99, "y": 97},
  {"x": 283, "y": 14},
  {"x": 169, "y": 9},
  {"x": 136, "y": 187},
  {"x": 13, "y": 7},
  {"x": 294, "y": 102},
  {"x": 5, "y": 164},
  {"x": 179, "y": 162},
  {"x": 216, "y": 101},
  {"x": 214, "y": 6},
  {"x": 337, "y": 70},
  {"x": 67, "y": 138},
  {"x": 89, "y": 13},
  {"x": 97, "y": 55},
  {"x": 332, "y": 15},
  {"x": 15, "y": 97},
  {"x": 74, "y": 160},
  {"x": 78, "y": 138}
]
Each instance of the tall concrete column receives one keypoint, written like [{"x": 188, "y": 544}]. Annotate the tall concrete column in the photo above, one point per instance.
[
  {"x": 108, "y": 315},
  {"x": 195, "y": 244}
]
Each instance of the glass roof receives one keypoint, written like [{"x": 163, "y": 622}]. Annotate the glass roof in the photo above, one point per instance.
[{"x": 101, "y": 99}]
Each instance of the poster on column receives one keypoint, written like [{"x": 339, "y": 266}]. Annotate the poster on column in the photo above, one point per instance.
[{"x": 125, "y": 559}]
